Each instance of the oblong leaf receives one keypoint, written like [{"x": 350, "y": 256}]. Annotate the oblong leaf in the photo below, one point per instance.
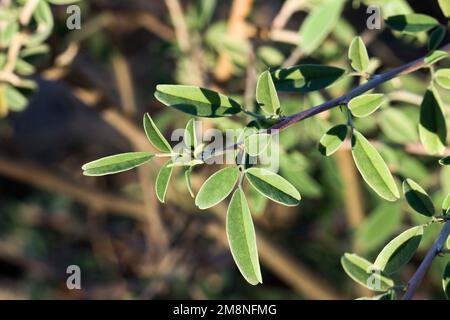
[
  {"x": 365, "y": 105},
  {"x": 432, "y": 125},
  {"x": 333, "y": 139},
  {"x": 435, "y": 56},
  {"x": 446, "y": 205},
  {"x": 445, "y": 7},
  {"x": 418, "y": 198},
  {"x": 373, "y": 168},
  {"x": 162, "y": 181},
  {"x": 399, "y": 251},
  {"x": 197, "y": 101},
  {"x": 117, "y": 163},
  {"x": 411, "y": 23},
  {"x": 273, "y": 186},
  {"x": 242, "y": 238},
  {"x": 362, "y": 271},
  {"x": 217, "y": 187},
  {"x": 319, "y": 23},
  {"x": 442, "y": 77},
  {"x": 357, "y": 53},
  {"x": 155, "y": 136},
  {"x": 266, "y": 94},
  {"x": 191, "y": 136},
  {"x": 306, "y": 77}
]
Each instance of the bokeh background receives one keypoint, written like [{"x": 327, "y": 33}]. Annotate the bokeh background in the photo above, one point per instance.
[{"x": 94, "y": 88}]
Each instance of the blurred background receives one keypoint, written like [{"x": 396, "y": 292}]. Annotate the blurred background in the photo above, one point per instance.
[{"x": 94, "y": 87}]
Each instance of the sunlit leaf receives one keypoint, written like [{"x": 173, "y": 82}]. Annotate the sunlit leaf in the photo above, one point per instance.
[
  {"x": 399, "y": 251},
  {"x": 117, "y": 163},
  {"x": 333, "y": 139},
  {"x": 162, "y": 181},
  {"x": 266, "y": 94},
  {"x": 306, "y": 77},
  {"x": 373, "y": 168},
  {"x": 217, "y": 187},
  {"x": 358, "y": 56},
  {"x": 432, "y": 126},
  {"x": 445, "y": 7},
  {"x": 242, "y": 239},
  {"x": 417, "y": 198},
  {"x": 435, "y": 56},
  {"x": 155, "y": 136},
  {"x": 446, "y": 205},
  {"x": 364, "y": 273},
  {"x": 273, "y": 186},
  {"x": 197, "y": 101},
  {"x": 442, "y": 77},
  {"x": 365, "y": 105}
]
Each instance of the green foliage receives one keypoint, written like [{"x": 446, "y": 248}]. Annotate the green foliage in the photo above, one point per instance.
[
  {"x": 442, "y": 78},
  {"x": 217, "y": 188},
  {"x": 357, "y": 53},
  {"x": 117, "y": 163},
  {"x": 197, "y": 101},
  {"x": 162, "y": 180},
  {"x": 333, "y": 139},
  {"x": 411, "y": 23},
  {"x": 306, "y": 77},
  {"x": 273, "y": 186},
  {"x": 399, "y": 251},
  {"x": 242, "y": 239},
  {"x": 417, "y": 198},
  {"x": 362, "y": 271},
  {"x": 266, "y": 94},
  {"x": 365, "y": 105},
  {"x": 155, "y": 136},
  {"x": 373, "y": 168},
  {"x": 432, "y": 126}
]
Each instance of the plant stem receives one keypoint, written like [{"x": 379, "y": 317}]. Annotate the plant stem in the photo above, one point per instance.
[
  {"x": 437, "y": 247},
  {"x": 369, "y": 85}
]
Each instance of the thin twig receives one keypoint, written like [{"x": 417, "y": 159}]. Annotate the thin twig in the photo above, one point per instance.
[{"x": 416, "y": 279}]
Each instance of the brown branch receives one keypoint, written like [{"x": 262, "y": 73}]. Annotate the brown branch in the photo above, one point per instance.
[{"x": 418, "y": 276}]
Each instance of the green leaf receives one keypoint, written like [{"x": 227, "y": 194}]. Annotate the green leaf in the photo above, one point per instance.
[
  {"x": 379, "y": 226},
  {"x": 273, "y": 186},
  {"x": 242, "y": 238},
  {"x": 365, "y": 105},
  {"x": 445, "y": 161},
  {"x": 187, "y": 179},
  {"x": 362, "y": 271},
  {"x": 373, "y": 168},
  {"x": 162, "y": 180},
  {"x": 306, "y": 77},
  {"x": 446, "y": 281},
  {"x": 436, "y": 38},
  {"x": 417, "y": 198},
  {"x": 332, "y": 140},
  {"x": 190, "y": 136},
  {"x": 257, "y": 143},
  {"x": 217, "y": 187},
  {"x": 319, "y": 23},
  {"x": 435, "y": 56},
  {"x": 442, "y": 78},
  {"x": 411, "y": 23},
  {"x": 358, "y": 56},
  {"x": 197, "y": 101},
  {"x": 432, "y": 126},
  {"x": 117, "y": 163},
  {"x": 446, "y": 205},
  {"x": 384, "y": 296},
  {"x": 155, "y": 136},
  {"x": 266, "y": 94},
  {"x": 445, "y": 7},
  {"x": 399, "y": 251}
]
